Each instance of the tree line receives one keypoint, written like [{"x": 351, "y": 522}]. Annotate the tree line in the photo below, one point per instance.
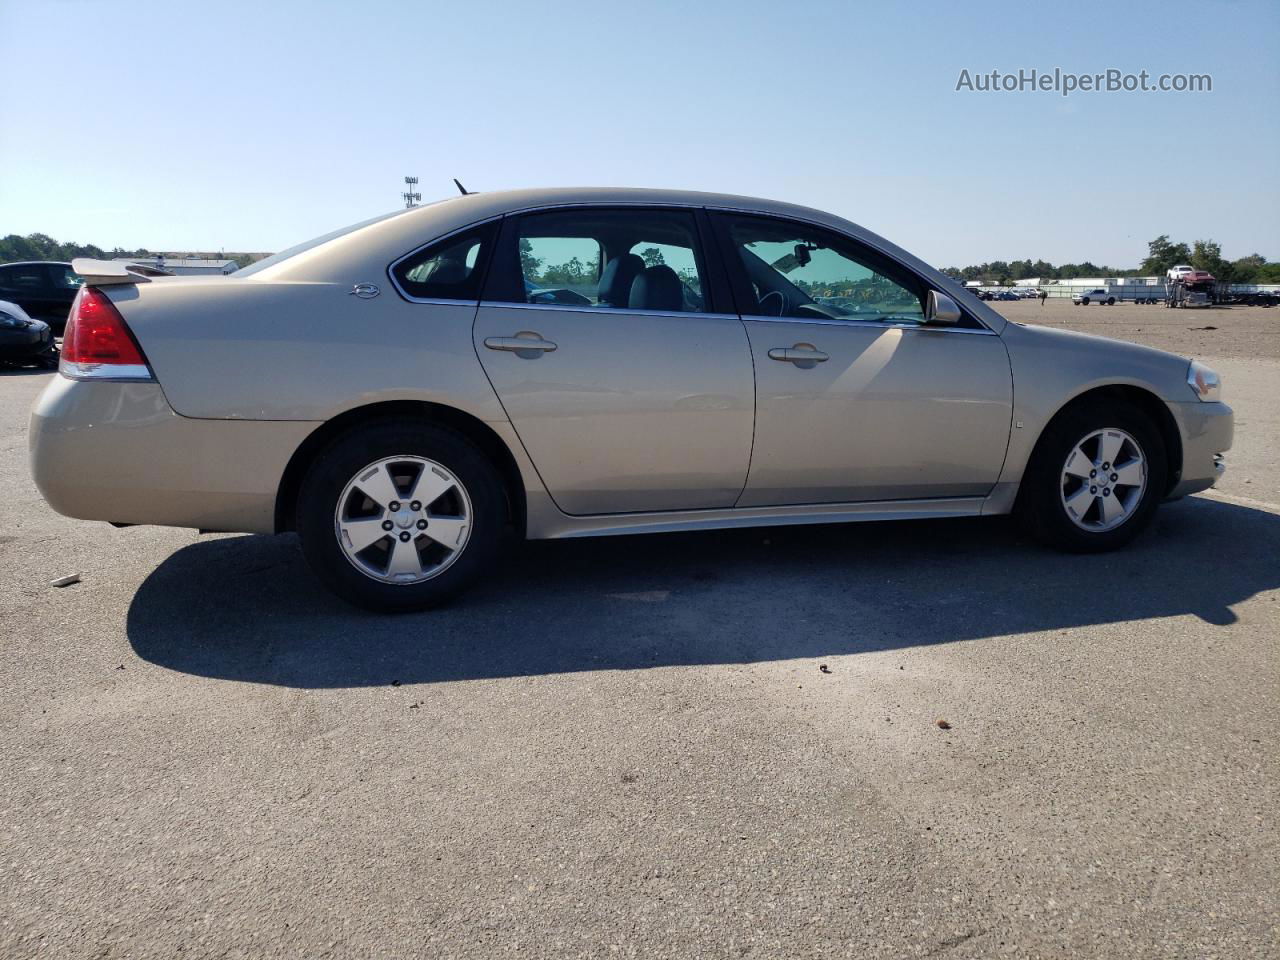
[
  {"x": 40, "y": 246},
  {"x": 1161, "y": 255}
]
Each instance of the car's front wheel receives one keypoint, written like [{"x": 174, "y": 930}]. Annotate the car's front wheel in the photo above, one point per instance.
[
  {"x": 1095, "y": 479},
  {"x": 1085, "y": 301},
  {"x": 399, "y": 516}
]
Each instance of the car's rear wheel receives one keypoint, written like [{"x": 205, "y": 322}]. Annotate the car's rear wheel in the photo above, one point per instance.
[
  {"x": 1095, "y": 479},
  {"x": 1111, "y": 301},
  {"x": 399, "y": 516}
]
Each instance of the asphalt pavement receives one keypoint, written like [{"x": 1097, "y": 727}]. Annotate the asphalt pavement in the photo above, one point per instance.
[{"x": 926, "y": 739}]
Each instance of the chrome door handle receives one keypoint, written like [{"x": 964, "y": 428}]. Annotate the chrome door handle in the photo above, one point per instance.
[
  {"x": 525, "y": 344},
  {"x": 802, "y": 355}
]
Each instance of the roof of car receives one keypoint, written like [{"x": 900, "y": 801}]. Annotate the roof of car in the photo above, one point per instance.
[
  {"x": 31, "y": 263},
  {"x": 399, "y": 232},
  {"x": 510, "y": 201},
  {"x": 533, "y": 196}
]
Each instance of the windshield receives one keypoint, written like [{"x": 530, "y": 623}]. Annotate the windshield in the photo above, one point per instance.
[{"x": 283, "y": 255}]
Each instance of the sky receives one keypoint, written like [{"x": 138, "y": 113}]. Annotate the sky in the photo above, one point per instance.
[{"x": 253, "y": 126}]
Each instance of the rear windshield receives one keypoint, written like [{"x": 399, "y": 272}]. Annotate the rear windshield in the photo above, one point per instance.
[{"x": 283, "y": 255}]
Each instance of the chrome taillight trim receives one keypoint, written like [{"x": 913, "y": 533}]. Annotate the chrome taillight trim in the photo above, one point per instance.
[{"x": 127, "y": 372}]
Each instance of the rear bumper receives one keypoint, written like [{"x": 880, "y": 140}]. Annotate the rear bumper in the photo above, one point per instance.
[
  {"x": 1207, "y": 430},
  {"x": 118, "y": 452}
]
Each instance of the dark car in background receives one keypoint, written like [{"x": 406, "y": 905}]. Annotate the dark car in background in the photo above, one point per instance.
[
  {"x": 43, "y": 288},
  {"x": 24, "y": 341}
]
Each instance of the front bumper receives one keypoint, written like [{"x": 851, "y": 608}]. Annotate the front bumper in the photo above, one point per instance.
[
  {"x": 25, "y": 344},
  {"x": 1207, "y": 430},
  {"x": 118, "y": 452}
]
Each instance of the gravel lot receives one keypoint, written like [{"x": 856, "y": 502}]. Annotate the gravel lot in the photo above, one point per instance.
[{"x": 630, "y": 746}]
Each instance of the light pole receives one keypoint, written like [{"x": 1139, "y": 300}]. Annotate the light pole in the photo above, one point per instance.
[{"x": 411, "y": 196}]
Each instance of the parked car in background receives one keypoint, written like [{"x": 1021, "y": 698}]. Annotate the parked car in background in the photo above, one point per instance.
[
  {"x": 1096, "y": 295},
  {"x": 399, "y": 394},
  {"x": 1179, "y": 272},
  {"x": 25, "y": 341},
  {"x": 1198, "y": 276},
  {"x": 43, "y": 288}
]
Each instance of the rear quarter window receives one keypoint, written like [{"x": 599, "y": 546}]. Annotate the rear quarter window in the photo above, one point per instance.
[{"x": 450, "y": 269}]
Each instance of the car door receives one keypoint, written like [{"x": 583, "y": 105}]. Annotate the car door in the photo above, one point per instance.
[
  {"x": 627, "y": 381},
  {"x": 857, "y": 399}
]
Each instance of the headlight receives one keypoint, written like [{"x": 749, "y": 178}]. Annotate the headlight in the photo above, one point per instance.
[{"x": 1205, "y": 382}]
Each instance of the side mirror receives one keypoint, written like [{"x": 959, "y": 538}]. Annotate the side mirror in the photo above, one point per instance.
[{"x": 941, "y": 310}]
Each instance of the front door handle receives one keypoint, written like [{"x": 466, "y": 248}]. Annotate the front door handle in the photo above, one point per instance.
[
  {"x": 803, "y": 355},
  {"x": 526, "y": 344}
]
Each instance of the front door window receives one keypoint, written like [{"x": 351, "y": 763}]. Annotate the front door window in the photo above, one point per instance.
[{"x": 797, "y": 272}]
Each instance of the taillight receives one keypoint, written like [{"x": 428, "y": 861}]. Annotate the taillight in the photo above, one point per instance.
[{"x": 97, "y": 344}]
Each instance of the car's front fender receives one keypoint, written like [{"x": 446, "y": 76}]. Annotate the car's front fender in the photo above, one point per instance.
[{"x": 1052, "y": 367}]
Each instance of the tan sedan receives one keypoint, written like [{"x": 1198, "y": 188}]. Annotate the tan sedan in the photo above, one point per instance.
[{"x": 562, "y": 363}]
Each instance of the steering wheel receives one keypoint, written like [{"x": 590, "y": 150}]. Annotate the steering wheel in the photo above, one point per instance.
[{"x": 773, "y": 304}]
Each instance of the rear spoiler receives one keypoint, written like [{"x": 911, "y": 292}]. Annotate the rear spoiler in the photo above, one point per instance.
[{"x": 101, "y": 273}]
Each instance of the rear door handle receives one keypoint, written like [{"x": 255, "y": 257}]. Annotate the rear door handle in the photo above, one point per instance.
[
  {"x": 525, "y": 344},
  {"x": 802, "y": 355}
]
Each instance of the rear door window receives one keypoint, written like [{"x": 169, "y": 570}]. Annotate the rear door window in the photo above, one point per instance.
[{"x": 606, "y": 258}]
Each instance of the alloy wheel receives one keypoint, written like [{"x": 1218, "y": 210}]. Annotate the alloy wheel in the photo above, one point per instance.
[
  {"x": 1103, "y": 480},
  {"x": 403, "y": 520}
]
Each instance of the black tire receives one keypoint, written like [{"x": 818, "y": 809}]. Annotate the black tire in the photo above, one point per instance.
[
  {"x": 1039, "y": 509},
  {"x": 1111, "y": 301},
  {"x": 360, "y": 446},
  {"x": 1084, "y": 301}
]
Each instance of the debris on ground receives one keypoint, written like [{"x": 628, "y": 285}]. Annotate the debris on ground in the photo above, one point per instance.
[
  {"x": 1202, "y": 328},
  {"x": 824, "y": 668},
  {"x": 943, "y": 724},
  {"x": 65, "y": 581}
]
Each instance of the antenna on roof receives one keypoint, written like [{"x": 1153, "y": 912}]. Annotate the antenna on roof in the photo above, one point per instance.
[{"x": 461, "y": 189}]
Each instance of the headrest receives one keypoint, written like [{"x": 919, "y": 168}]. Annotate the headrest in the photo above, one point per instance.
[
  {"x": 657, "y": 288},
  {"x": 616, "y": 279}
]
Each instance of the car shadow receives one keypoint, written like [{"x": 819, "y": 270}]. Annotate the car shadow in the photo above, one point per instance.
[
  {"x": 15, "y": 371},
  {"x": 246, "y": 608}
]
